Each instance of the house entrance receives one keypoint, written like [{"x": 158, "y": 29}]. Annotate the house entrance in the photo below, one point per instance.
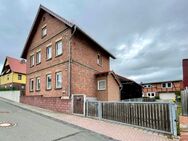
[{"x": 79, "y": 104}]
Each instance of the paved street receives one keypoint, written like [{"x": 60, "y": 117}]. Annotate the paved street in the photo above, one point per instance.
[{"x": 33, "y": 127}]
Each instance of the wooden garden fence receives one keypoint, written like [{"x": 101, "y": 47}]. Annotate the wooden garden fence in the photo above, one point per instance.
[{"x": 159, "y": 117}]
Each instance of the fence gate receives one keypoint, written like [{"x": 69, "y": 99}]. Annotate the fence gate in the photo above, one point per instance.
[{"x": 79, "y": 104}]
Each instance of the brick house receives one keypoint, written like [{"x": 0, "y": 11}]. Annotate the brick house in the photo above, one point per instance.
[
  {"x": 65, "y": 65},
  {"x": 165, "y": 89}
]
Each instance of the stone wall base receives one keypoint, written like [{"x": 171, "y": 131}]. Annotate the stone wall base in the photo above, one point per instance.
[{"x": 52, "y": 103}]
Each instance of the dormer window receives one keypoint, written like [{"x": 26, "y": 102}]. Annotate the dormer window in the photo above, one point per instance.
[
  {"x": 44, "y": 31},
  {"x": 99, "y": 59}
]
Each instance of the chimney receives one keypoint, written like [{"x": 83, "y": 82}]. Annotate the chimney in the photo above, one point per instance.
[{"x": 185, "y": 72}]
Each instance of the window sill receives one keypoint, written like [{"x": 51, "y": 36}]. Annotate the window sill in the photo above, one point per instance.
[
  {"x": 38, "y": 63},
  {"x": 102, "y": 90},
  {"x": 58, "y": 88},
  {"x": 58, "y": 55},
  {"x": 49, "y": 59},
  {"x": 31, "y": 91},
  {"x": 42, "y": 36},
  {"x": 49, "y": 89},
  {"x": 31, "y": 66},
  {"x": 37, "y": 90},
  {"x": 99, "y": 65}
]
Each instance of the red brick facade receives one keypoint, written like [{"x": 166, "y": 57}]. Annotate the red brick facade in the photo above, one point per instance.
[
  {"x": 78, "y": 48},
  {"x": 51, "y": 103}
]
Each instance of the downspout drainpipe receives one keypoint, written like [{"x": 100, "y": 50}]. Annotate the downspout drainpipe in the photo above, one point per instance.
[{"x": 69, "y": 63}]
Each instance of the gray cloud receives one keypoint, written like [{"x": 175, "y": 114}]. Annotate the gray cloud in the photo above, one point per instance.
[{"x": 149, "y": 37}]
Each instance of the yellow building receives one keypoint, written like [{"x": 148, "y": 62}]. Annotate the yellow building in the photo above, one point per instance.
[{"x": 13, "y": 75}]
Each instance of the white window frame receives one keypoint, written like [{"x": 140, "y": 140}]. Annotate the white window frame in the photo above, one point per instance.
[
  {"x": 31, "y": 85},
  {"x": 37, "y": 84},
  {"x": 38, "y": 57},
  {"x": 58, "y": 49},
  {"x": 56, "y": 81},
  {"x": 166, "y": 85},
  {"x": 47, "y": 83},
  {"x": 48, "y": 56},
  {"x": 20, "y": 75},
  {"x": 98, "y": 87},
  {"x": 44, "y": 31},
  {"x": 32, "y": 60}
]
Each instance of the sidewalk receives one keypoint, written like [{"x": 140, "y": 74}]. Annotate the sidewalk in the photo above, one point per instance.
[
  {"x": 184, "y": 128},
  {"x": 112, "y": 130}
]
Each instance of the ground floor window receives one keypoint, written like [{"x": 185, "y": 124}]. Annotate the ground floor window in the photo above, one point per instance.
[
  {"x": 58, "y": 80},
  {"x": 38, "y": 83},
  {"x": 101, "y": 84},
  {"x": 31, "y": 85},
  {"x": 48, "y": 81}
]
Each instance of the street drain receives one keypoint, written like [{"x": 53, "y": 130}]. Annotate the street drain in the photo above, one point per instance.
[{"x": 6, "y": 124}]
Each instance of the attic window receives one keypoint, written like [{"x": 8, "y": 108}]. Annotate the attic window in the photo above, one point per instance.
[
  {"x": 44, "y": 31},
  {"x": 99, "y": 59},
  {"x": 43, "y": 19}
]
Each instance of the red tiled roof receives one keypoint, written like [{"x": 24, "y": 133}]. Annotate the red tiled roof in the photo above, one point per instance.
[{"x": 16, "y": 65}]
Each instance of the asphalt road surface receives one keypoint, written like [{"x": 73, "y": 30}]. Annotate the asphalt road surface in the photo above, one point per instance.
[{"x": 34, "y": 127}]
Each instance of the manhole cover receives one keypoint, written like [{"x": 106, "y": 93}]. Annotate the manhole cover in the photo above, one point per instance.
[
  {"x": 6, "y": 124},
  {"x": 4, "y": 112}
]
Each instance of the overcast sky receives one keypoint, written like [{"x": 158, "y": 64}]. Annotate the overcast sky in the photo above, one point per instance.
[{"x": 148, "y": 37}]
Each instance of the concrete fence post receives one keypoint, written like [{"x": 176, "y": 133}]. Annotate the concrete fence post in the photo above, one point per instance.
[
  {"x": 173, "y": 118},
  {"x": 99, "y": 110}
]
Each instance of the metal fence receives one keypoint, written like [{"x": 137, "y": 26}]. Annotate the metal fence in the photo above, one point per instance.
[
  {"x": 160, "y": 117},
  {"x": 184, "y": 101}
]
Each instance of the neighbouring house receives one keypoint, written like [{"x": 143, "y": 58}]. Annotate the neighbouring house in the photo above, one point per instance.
[
  {"x": 165, "y": 90},
  {"x": 13, "y": 75},
  {"x": 130, "y": 89},
  {"x": 185, "y": 73},
  {"x": 66, "y": 66}
]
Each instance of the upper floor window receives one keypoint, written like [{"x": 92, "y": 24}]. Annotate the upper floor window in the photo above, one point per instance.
[
  {"x": 59, "y": 48},
  {"x": 44, "y": 31},
  {"x": 49, "y": 52},
  {"x": 58, "y": 78},
  {"x": 7, "y": 76},
  {"x": 148, "y": 86},
  {"x": 31, "y": 85},
  {"x": 32, "y": 60},
  {"x": 167, "y": 85},
  {"x": 38, "y": 83},
  {"x": 48, "y": 82},
  {"x": 101, "y": 84},
  {"x": 99, "y": 59},
  {"x": 19, "y": 77},
  {"x": 38, "y": 58}
]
